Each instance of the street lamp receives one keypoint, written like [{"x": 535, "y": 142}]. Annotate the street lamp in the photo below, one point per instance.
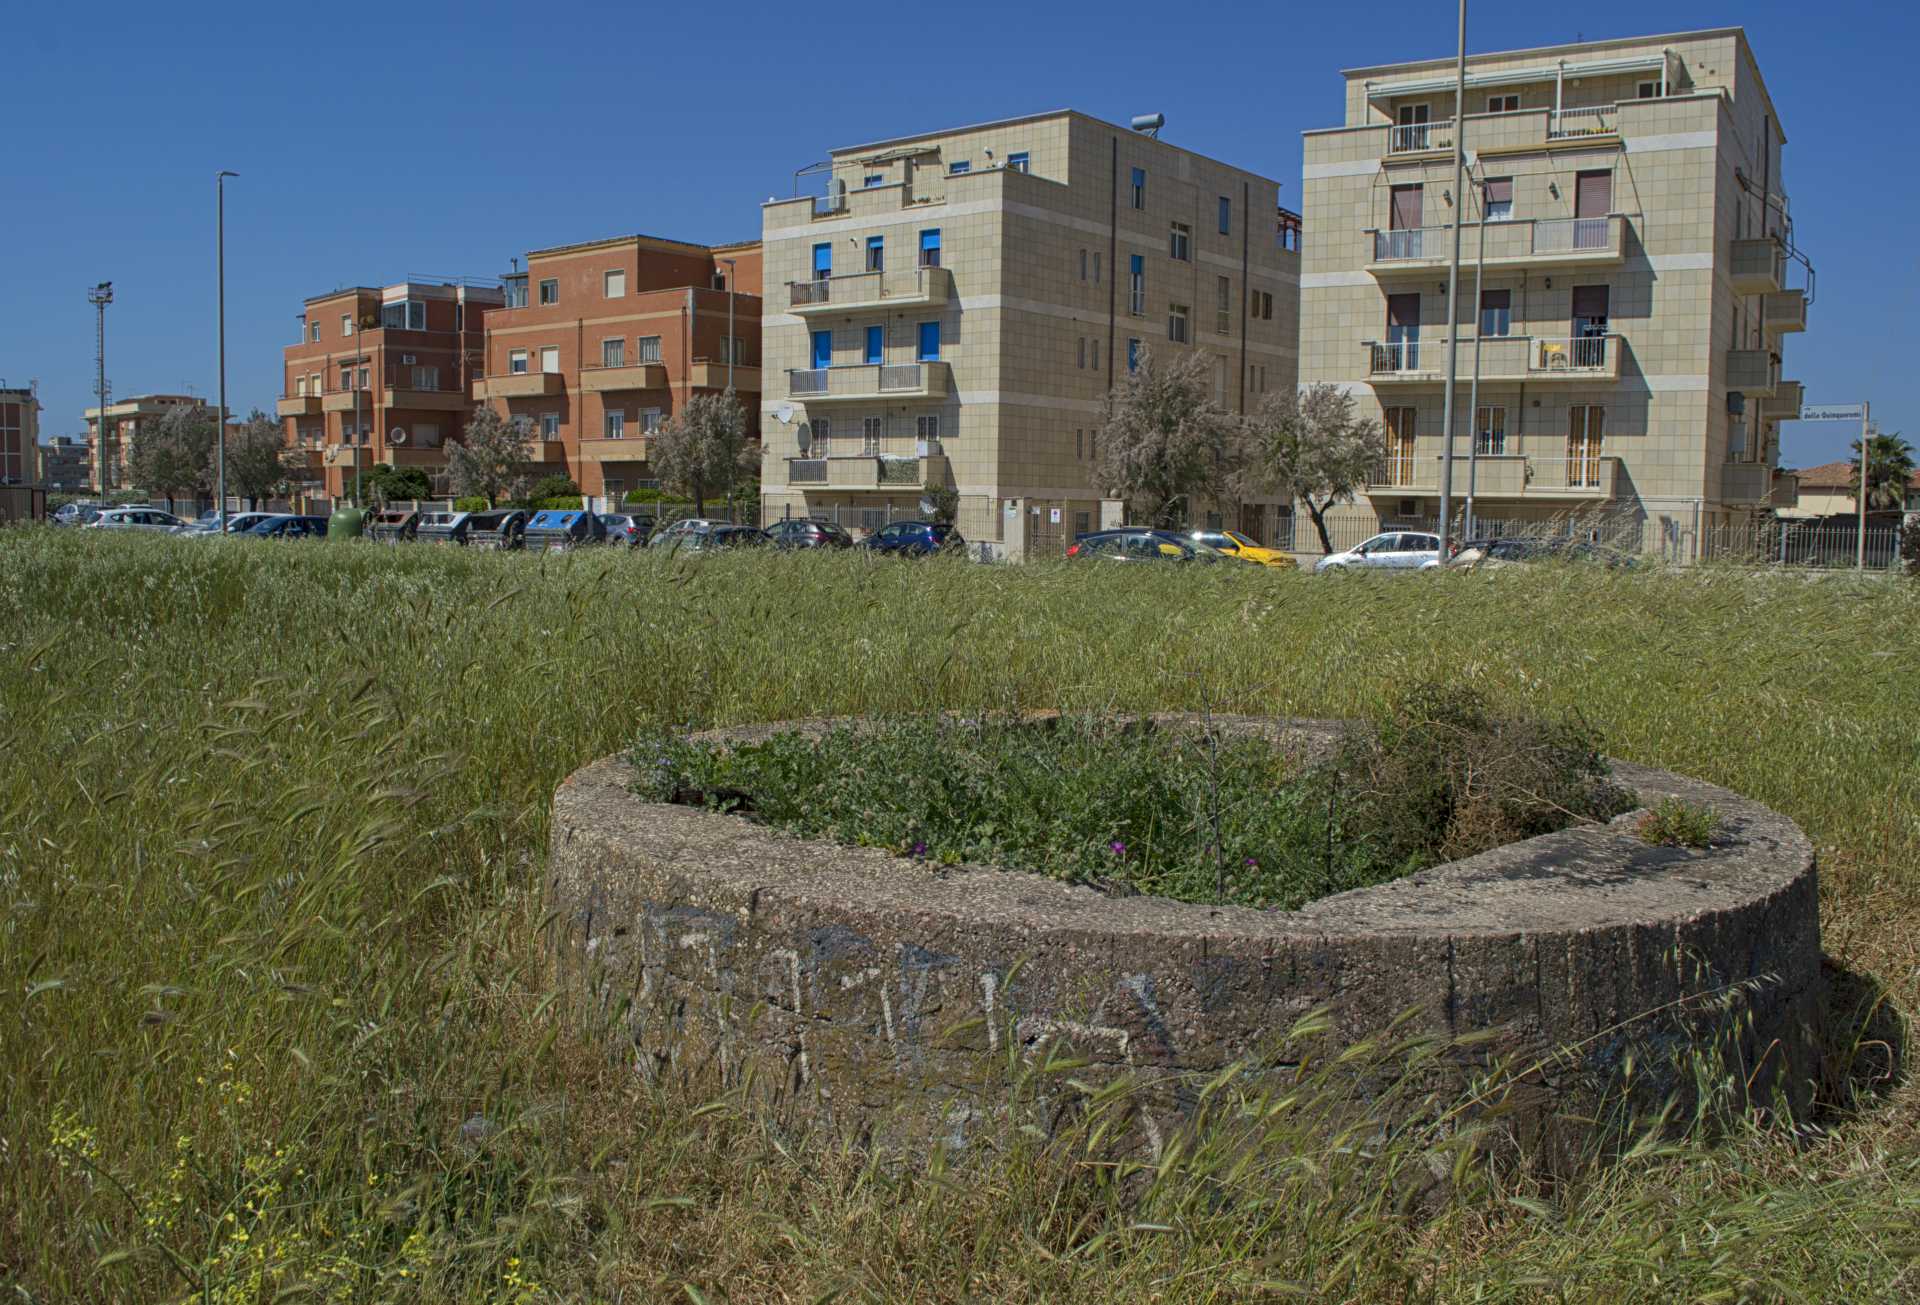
[
  {"x": 100, "y": 296},
  {"x": 1479, "y": 329},
  {"x": 220, "y": 445},
  {"x": 1453, "y": 287},
  {"x": 732, "y": 348}
]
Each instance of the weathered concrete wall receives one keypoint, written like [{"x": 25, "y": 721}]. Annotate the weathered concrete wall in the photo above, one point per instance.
[{"x": 889, "y": 993}]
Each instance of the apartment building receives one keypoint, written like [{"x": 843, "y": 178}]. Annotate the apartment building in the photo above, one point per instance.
[
  {"x": 380, "y": 375},
  {"x": 19, "y": 436},
  {"x": 64, "y": 464},
  {"x": 125, "y": 422},
  {"x": 1627, "y": 222},
  {"x": 955, "y": 308},
  {"x": 601, "y": 343}
]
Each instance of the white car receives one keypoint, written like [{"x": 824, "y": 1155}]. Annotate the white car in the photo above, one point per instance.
[
  {"x": 136, "y": 518},
  {"x": 1391, "y": 550}
]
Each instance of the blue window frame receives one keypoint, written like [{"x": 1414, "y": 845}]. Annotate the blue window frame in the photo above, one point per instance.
[
  {"x": 1133, "y": 355},
  {"x": 1137, "y": 284},
  {"x": 930, "y": 247},
  {"x": 876, "y": 253},
  {"x": 1226, "y": 216},
  {"x": 875, "y": 179},
  {"x": 959, "y": 167},
  {"x": 1021, "y": 162},
  {"x": 822, "y": 261},
  {"x": 929, "y": 342},
  {"x": 822, "y": 349},
  {"x": 1139, "y": 187},
  {"x": 876, "y": 344}
]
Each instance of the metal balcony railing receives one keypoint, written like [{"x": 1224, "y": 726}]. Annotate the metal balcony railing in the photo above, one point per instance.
[
  {"x": 1563, "y": 235},
  {"x": 1413, "y": 137},
  {"x": 807, "y": 471},
  {"x": 1580, "y": 353},
  {"x": 1503, "y": 239},
  {"x": 1588, "y": 120}
]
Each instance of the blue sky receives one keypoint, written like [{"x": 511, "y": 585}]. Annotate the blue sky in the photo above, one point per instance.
[{"x": 376, "y": 142}]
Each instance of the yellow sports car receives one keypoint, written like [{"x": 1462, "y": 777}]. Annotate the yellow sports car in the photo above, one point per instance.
[{"x": 1240, "y": 546}]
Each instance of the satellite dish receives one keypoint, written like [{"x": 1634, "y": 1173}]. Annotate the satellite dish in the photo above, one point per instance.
[
  {"x": 784, "y": 413},
  {"x": 806, "y": 438},
  {"x": 398, "y": 435}
]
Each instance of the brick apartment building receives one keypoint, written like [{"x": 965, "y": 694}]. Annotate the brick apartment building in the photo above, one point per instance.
[
  {"x": 1638, "y": 243},
  {"x": 601, "y": 343},
  {"x": 64, "y": 464},
  {"x": 955, "y": 309},
  {"x": 19, "y": 436},
  {"x": 402, "y": 357},
  {"x": 126, "y": 421}
]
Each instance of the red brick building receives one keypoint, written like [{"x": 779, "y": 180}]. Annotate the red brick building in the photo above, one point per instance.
[
  {"x": 404, "y": 357},
  {"x": 601, "y": 343}
]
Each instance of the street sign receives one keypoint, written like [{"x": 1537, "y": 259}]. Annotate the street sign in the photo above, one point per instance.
[{"x": 1833, "y": 412}]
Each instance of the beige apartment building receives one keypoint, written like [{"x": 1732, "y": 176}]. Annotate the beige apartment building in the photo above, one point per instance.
[
  {"x": 126, "y": 420},
  {"x": 954, "y": 310},
  {"x": 1634, "y": 300}
]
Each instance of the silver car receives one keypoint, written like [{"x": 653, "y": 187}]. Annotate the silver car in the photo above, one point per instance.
[
  {"x": 1391, "y": 550},
  {"x": 136, "y": 518}
]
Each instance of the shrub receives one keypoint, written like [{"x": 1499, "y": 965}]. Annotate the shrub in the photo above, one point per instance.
[
  {"x": 1910, "y": 546},
  {"x": 559, "y": 502},
  {"x": 554, "y": 487},
  {"x": 471, "y": 503},
  {"x": 1674, "y": 823}
]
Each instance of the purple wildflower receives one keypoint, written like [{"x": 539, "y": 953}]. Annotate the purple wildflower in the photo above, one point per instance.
[
  {"x": 919, "y": 849},
  {"x": 1117, "y": 848}
]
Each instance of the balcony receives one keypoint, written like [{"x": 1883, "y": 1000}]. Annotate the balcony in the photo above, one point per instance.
[
  {"x": 638, "y": 376},
  {"x": 1586, "y": 359},
  {"x": 1758, "y": 266},
  {"x": 1784, "y": 310},
  {"x": 1745, "y": 482},
  {"x": 709, "y": 375},
  {"x": 305, "y": 457},
  {"x": 342, "y": 455},
  {"x": 1786, "y": 401},
  {"x": 345, "y": 400},
  {"x": 519, "y": 385},
  {"x": 1502, "y": 476},
  {"x": 912, "y": 287},
  {"x": 1582, "y": 122},
  {"x": 631, "y": 448},
  {"x": 916, "y": 380},
  {"x": 867, "y": 471},
  {"x": 427, "y": 400},
  {"x": 410, "y": 456},
  {"x": 299, "y": 405},
  {"x": 1561, "y": 242},
  {"x": 806, "y": 471},
  {"x": 1420, "y": 137},
  {"x": 1753, "y": 372},
  {"x": 546, "y": 451}
]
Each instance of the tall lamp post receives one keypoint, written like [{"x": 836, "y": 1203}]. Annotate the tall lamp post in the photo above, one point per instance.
[
  {"x": 100, "y": 296},
  {"x": 1479, "y": 330},
  {"x": 1453, "y": 286},
  {"x": 732, "y": 348},
  {"x": 220, "y": 440}
]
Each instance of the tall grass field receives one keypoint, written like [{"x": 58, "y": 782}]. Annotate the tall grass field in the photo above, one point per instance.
[{"x": 277, "y": 1018}]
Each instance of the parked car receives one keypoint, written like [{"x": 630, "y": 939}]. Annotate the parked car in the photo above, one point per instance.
[
  {"x": 806, "y": 532},
  {"x": 1391, "y": 550},
  {"x": 1235, "y": 544},
  {"x": 1142, "y": 544},
  {"x": 136, "y": 518},
  {"x": 393, "y": 525},
  {"x": 624, "y": 528},
  {"x": 1495, "y": 553},
  {"x": 713, "y": 539},
  {"x": 915, "y": 539},
  {"x": 208, "y": 527},
  {"x": 664, "y": 536},
  {"x": 77, "y": 514},
  {"x": 560, "y": 529},
  {"x": 286, "y": 525},
  {"x": 502, "y": 528}
]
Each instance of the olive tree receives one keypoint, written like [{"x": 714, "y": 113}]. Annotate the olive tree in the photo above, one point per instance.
[
  {"x": 256, "y": 453},
  {"x": 1166, "y": 441},
  {"x": 173, "y": 454},
  {"x": 703, "y": 450},
  {"x": 1309, "y": 446},
  {"x": 487, "y": 462}
]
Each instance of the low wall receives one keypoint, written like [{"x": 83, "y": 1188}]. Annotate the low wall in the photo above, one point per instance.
[{"x": 885, "y": 993}]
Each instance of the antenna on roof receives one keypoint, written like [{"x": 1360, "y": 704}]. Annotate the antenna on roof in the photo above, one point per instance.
[{"x": 1149, "y": 124}]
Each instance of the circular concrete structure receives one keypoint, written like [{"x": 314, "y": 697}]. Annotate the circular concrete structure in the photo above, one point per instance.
[{"x": 888, "y": 994}]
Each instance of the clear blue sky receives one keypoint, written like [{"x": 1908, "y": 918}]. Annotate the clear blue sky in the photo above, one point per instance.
[{"x": 374, "y": 142}]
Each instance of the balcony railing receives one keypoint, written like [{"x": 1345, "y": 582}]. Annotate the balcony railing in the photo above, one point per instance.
[
  {"x": 1415, "y": 137},
  {"x": 1502, "y": 358},
  {"x": 1500, "y": 243},
  {"x": 1579, "y": 353},
  {"x": 1589, "y": 120},
  {"x": 828, "y": 205},
  {"x": 1563, "y": 235},
  {"x": 863, "y": 380},
  {"x": 806, "y": 471},
  {"x": 1502, "y": 475},
  {"x": 908, "y": 285}
]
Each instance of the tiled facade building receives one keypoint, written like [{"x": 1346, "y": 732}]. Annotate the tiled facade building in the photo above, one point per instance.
[
  {"x": 19, "y": 436},
  {"x": 125, "y": 422},
  {"x": 601, "y": 343},
  {"x": 955, "y": 308},
  {"x": 1637, "y": 246},
  {"x": 381, "y": 376}
]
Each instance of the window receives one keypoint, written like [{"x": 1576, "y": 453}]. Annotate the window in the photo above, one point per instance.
[
  {"x": 299, "y": 386},
  {"x": 426, "y": 434},
  {"x": 549, "y": 425},
  {"x": 404, "y": 315},
  {"x": 1096, "y": 267},
  {"x": 314, "y": 327},
  {"x": 1496, "y": 312},
  {"x": 1082, "y": 362},
  {"x": 1136, "y": 284},
  {"x": 875, "y": 346},
  {"x": 1133, "y": 355},
  {"x": 1223, "y": 310},
  {"x": 1095, "y": 352},
  {"x": 614, "y": 423},
  {"x": 1021, "y": 162},
  {"x": 426, "y": 378},
  {"x": 1180, "y": 242},
  {"x": 646, "y": 348},
  {"x": 959, "y": 167},
  {"x": 614, "y": 283},
  {"x": 926, "y": 428},
  {"x": 930, "y": 247},
  {"x": 1083, "y": 265},
  {"x": 1079, "y": 451},
  {"x": 516, "y": 292},
  {"x": 613, "y": 353},
  {"x": 459, "y": 317},
  {"x": 517, "y": 362},
  {"x": 870, "y": 431},
  {"x": 1139, "y": 187},
  {"x": 313, "y": 383},
  {"x": 732, "y": 350},
  {"x": 929, "y": 342},
  {"x": 1498, "y": 197},
  {"x": 821, "y": 352},
  {"x": 874, "y": 179},
  {"x": 876, "y": 253},
  {"x": 550, "y": 291},
  {"x": 1093, "y": 445},
  {"x": 1177, "y": 323},
  {"x": 364, "y": 377},
  {"x": 1266, "y": 306},
  {"x": 1490, "y": 431},
  {"x": 550, "y": 359},
  {"x": 1648, "y": 91},
  {"x": 1503, "y": 104},
  {"x": 1586, "y": 433},
  {"x": 822, "y": 432},
  {"x": 822, "y": 261},
  {"x": 1226, "y": 216},
  {"x": 650, "y": 419},
  {"x": 346, "y": 324}
]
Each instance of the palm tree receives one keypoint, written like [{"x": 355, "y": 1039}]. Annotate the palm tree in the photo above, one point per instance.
[{"x": 1890, "y": 467}]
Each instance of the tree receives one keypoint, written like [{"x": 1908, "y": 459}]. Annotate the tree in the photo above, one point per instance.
[
  {"x": 488, "y": 462},
  {"x": 255, "y": 452},
  {"x": 551, "y": 486},
  {"x": 1167, "y": 442},
  {"x": 1310, "y": 447},
  {"x": 945, "y": 499},
  {"x": 173, "y": 455},
  {"x": 704, "y": 449},
  {"x": 1889, "y": 471},
  {"x": 385, "y": 484}
]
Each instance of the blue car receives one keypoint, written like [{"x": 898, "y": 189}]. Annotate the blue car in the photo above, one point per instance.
[{"x": 915, "y": 539}]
